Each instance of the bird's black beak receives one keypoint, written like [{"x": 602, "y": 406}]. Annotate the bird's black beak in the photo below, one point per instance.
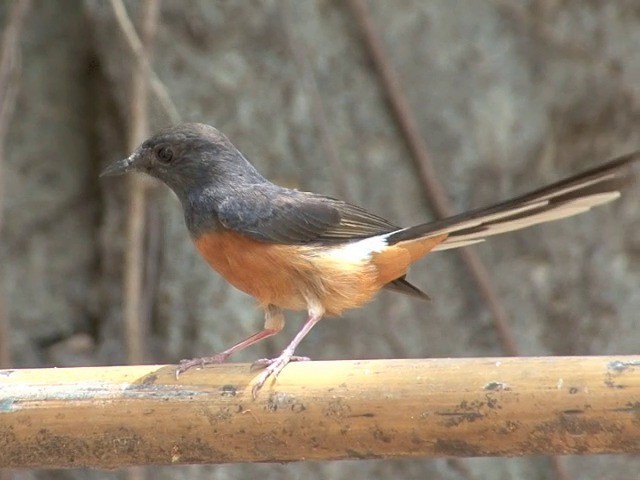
[{"x": 119, "y": 167}]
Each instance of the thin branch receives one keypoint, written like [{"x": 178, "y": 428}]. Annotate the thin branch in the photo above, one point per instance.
[
  {"x": 134, "y": 254},
  {"x": 158, "y": 88},
  {"x": 149, "y": 15},
  {"x": 482, "y": 279},
  {"x": 9, "y": 85},
  {"x": 134, "y": 325},
  {"x": 153, "y": 249},
  {"x": 135, "y": 315},
  {"x": 5, "y": 330},
  {"x": 434, "y": 191},
  {"x": 9, "y": 73}
]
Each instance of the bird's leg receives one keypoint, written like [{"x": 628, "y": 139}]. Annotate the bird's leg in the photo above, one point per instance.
[
  {"x": 273, "y": 323},
  {"x": 274, "y": 366}
]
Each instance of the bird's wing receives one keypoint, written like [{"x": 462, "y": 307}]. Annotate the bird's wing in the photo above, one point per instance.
[{"x": 279, "y": 215}]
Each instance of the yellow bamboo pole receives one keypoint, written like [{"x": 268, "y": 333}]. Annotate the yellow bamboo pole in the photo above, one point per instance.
[{"x": 107, "y": 417}]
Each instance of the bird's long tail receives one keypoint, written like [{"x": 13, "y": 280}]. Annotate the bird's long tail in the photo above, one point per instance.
[{"x": 565, "y": 198}]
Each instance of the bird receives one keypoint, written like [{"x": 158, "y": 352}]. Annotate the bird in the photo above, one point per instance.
[{"x": 297, "y": 250}]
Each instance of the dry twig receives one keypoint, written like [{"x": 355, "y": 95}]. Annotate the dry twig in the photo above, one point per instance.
[
  {"x": 433, "y": 189},
  {"x": 9, "y": 85},
  {"x": 140, "y": 55},
  {"x": 134, "y": 253}
]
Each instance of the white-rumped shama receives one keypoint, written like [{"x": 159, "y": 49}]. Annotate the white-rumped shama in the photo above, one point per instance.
[{"x": 295, "y": 250}]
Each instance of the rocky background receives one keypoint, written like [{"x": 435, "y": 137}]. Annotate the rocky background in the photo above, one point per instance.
[{"x": 508, "y": 96}]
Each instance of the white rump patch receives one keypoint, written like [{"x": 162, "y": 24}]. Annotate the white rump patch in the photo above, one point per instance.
[{"x": 360, "y": 250}]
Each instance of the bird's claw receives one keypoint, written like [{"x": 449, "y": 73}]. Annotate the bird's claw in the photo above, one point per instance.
[
  {"x": 273, "y": 368},
  {"x": 199, "y": 362},
  {"x": 265, "y": 362}
]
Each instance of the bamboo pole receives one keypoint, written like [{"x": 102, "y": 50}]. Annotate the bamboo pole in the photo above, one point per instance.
[{"x": 107, "y": 417}]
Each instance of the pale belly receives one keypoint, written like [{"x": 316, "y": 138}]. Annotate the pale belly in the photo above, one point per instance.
[{"x": 290, "y": 277}]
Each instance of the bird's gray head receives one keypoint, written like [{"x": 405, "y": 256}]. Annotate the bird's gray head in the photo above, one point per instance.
[{"x": 189, "y": 157}]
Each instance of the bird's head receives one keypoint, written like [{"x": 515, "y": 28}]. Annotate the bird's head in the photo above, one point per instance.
[{"x": 187, "y": 157}]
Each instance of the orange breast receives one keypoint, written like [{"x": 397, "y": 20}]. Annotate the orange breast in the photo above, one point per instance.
[{"x": 290, "y": 276}]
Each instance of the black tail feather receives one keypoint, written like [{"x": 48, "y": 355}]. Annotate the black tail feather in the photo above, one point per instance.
[
  {"x": 401, "y": 285},
  {"x": 568, "y": 196}
]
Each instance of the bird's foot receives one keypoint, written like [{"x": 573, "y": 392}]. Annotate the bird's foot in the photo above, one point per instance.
[
  {"x": 265, "y": 362},
  {"x": 273, "y": 367},
  {"x": 199, "y": 362}
]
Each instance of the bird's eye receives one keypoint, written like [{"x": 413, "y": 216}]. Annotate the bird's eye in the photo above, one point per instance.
[{"x": 165, "y": 154}]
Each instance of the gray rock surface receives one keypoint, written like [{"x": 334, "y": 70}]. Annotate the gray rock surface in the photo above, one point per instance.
[{"x": 509, "y": 96}]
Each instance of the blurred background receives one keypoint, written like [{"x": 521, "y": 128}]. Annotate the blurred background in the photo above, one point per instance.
[{"x": 503, "y": 96}]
